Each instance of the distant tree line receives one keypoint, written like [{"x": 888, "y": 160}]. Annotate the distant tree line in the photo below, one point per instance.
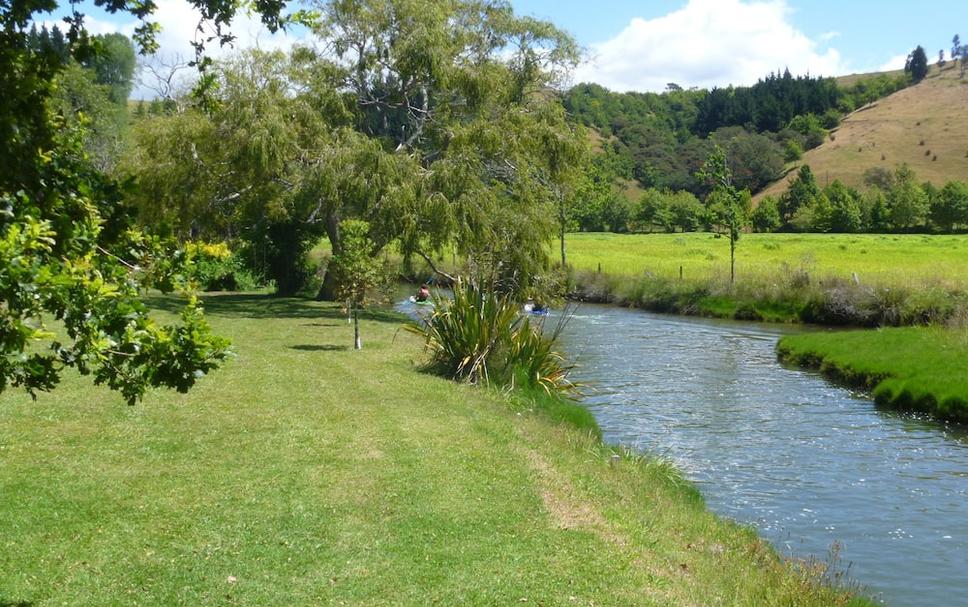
[{"x": 891, "y": 202}]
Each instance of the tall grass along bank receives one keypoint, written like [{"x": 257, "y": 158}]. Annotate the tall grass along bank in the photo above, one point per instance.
[
  {"x": 846, "y": 279},
  {"x": 307, "y": 473},
  {"x": 913, "y": 368}
]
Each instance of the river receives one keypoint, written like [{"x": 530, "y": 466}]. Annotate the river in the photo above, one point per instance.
[{"x": 808, "y": 463}]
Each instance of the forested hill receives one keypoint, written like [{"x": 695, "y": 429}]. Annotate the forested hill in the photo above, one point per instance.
[
  {"x": 923, "y": 126},
  {"x": 660, "y": 140}
]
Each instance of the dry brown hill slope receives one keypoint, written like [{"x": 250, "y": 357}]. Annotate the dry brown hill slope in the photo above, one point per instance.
[{"x": 925, "y": 126}]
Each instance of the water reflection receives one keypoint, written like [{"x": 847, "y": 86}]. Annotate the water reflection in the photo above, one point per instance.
[{"x": 807, "y": 462}]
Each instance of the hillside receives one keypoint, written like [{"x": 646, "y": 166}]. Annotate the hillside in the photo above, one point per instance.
[{"x": 891, "y": 131}]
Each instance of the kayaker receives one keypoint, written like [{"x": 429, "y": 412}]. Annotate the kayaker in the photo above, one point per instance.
[{"x": 423, "y": 293}]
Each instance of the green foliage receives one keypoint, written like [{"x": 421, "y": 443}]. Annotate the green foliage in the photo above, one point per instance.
[
  {"x": 668, "y": 211},
  {"x": 845, "y": 213},
  {"x": 214, "y": 267},
  {"x": 792, "y": 150},
  {"x": 766, "y": 216},
  {"x": 810, "y": 127},
  {"x": 355, "y": 270},
  {"x": 70, "y": 267},
  {"x": 803, "y": 192},
  {"x": 396, "y": 127},
  {"x": 949, "y": 207},
  {"x": 916, "y": 65},
  {"x": 907, "y": 201},
  {"x": 112, "y": 63},
  {"x": 482, "y": 337},
  {"x": 727, "y": 206},
  {"x": 88, "y": 106}
]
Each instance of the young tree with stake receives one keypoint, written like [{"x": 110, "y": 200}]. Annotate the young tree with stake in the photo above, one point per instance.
[
  {"x": 355, "y": 270},
  {"x": 729, "y": 207}
]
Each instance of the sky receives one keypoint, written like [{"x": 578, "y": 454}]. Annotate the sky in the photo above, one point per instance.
[{"x": 643, "y": 45}]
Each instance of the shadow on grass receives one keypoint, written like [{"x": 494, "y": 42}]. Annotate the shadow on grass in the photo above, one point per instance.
[
  {"x": 315, "y": 348},
  {"x": 258, "y": 305},
  {"x": 5, "y": 603}
]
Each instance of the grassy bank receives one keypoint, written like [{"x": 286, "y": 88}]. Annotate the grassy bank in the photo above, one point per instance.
[
  {"x": 911, "y": 368},
  {"x": 855, "y": 279},
  {"x": 308, "y": 473}
]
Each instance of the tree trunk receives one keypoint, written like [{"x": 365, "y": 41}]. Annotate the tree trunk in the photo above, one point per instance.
[
  {"x": 357, "y": 343},
  {"x": 561, "y": 220},
  {"x": 327, "y": 290},
  {"x": 732, "y": 259}
]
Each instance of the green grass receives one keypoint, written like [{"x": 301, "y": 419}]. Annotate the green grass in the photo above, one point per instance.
[
  {"x": 306, "y": 473},
  {"x": 912, "y": 368},
  {"x": 891, "y": 259},
  {"x": 846, "y": 279}
]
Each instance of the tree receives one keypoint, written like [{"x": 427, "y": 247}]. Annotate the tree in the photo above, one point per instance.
[
  {"x": 355, "y": 270},
  {"x": 113, "y": 62},
  {"x": 845, "y": 214},
  {"x": 907, "y": 201},
  {"x": 803, "y": 191},
  {"x": 652, "y": 211},
  {"x": 728, "y": 207},
  {"x": 941, "y": 61},
  {"x": 67, "y": 250},
  {"x": 421, "y": 122},
  {"x": 766, "y": 215},
  {"x": 949, "y": 208},
  {"x": 917, "y": 64}
]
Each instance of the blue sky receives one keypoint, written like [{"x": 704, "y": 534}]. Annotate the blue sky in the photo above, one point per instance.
[
  {"x": 643, "y": 45},
  {"x": 869, "y": 33}
]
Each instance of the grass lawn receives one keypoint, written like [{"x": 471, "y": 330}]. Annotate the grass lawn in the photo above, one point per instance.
[
  {"x": 304, "y": 473},
  {"x": 883, "y": 259},
  {"x": 914, "y": 368}
]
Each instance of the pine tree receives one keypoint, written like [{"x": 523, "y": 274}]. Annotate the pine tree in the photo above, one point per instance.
[{"x": 917, "y": 64}]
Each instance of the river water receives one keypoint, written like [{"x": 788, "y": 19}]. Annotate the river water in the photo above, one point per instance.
[{"x": 809, "y": 464}]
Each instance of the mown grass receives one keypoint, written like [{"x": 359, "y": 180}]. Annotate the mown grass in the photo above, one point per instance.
[
  {"x": 306, "y": 473},
  {"x": 913, "y": 368}
]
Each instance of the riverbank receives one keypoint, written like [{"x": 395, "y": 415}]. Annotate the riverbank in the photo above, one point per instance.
[
  {"x": 307, "y": 473},
  {"x": 830, "y": 279},
  {"x": 913, "y": 368}
]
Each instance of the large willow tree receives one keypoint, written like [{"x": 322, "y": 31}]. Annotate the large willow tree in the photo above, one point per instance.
[{"x": 437, "y": 122}]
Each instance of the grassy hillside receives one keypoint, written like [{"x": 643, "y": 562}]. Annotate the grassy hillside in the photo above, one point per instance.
[
  {"x": 304, "y": 473},
  {"x": 891, "y": 132}
]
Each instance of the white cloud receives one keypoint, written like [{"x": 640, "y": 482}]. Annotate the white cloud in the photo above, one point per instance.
[
  {"x": 708, "y": 43},
  {"x": 894, "y": 63}
]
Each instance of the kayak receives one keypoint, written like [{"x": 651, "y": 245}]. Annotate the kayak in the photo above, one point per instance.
[
  {"x": 425, "y": 302},
  {"x": 530, "y": 309}
]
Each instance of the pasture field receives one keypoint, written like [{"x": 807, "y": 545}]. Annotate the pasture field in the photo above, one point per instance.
[
  {"x": 878, "y": 259},
  {"x": 911, "y": 368},
  {"x": 306, "y": 473}
]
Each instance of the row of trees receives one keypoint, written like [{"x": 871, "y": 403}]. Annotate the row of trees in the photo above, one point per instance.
[{"x": 892, "y": 202}]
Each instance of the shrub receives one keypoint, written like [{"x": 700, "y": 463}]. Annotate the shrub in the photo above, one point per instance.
[
  {"x": 481, "y": 337},
  {"x": 215, "y": 268}
]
